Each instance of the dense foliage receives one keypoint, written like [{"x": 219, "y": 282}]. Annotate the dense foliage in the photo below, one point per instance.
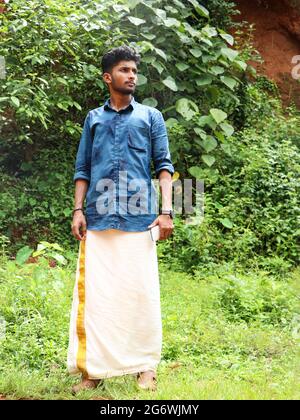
[{"x": 191, "y": 71}]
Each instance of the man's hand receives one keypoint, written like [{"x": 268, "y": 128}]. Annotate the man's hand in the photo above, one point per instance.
[
  {"x": 166, "y": 226},
  {"x": 79, "y": 226}
]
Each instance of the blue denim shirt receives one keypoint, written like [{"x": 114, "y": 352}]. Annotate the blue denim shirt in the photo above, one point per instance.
[{"x": 115, "y": 154}]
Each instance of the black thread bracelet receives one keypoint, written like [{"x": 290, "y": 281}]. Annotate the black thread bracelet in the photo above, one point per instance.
[{"x": 77, "y": 209}]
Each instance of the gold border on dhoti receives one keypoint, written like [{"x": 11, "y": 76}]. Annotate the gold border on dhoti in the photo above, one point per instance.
[{"x": 80, "y": 323}]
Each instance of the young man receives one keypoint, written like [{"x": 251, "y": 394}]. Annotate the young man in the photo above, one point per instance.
[{"x": 115, "y": 326}]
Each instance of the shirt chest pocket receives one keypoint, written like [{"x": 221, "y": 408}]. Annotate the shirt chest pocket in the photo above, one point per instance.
[{"x": 138, "y": 137}]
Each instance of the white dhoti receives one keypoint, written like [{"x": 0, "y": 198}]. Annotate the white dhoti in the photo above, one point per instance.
[{"x": 115, "y": 325}]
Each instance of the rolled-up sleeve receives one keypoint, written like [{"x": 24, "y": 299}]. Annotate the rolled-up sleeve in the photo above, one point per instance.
[
  {"x": 84, "y": 153},
  {"x": 160, "y": 144}
]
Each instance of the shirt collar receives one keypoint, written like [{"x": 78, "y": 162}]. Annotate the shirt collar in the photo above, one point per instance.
[{"x": 132, "y": 105}]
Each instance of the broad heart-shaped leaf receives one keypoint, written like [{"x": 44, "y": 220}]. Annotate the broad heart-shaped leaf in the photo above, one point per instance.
[
  {"x": 15, "y": 101},
  {"x": 160, "y": 13},
  {"x": 227, "y": 223},
  {"x": 207, "y": 120},
  {"x": 171, "y": 122},
  {"x": 196, "y": 52},
  {"x": 217, "y": 70},
  {"x": 228, "y": 38},
  {"x": 227, "y": 129},
  {"x": 59, "y": 258},
  {"x": 208, "y": 159},
  {"x": 133, "y": 3},
  {"x": 150, "y": 102},
  {"x": 226, "y": 148},
  {"x": 161, "y": 53},
  {"x": 229, "y": 53},
  {"x": 182, "y": 66},
  {"x": 209, "y": 144},
  {"x": 142, "y": 80},
  {"x": 204, "y": 80},
  {"x": 218, "y": 115},
  {"x": 158, "y": 66},
  {"x": 199, "y": 8},
  {"x": 136, "y": 21},
  {"x": 148, "y": 36},
  {"x": 171, "y": 22},
  {"x": 240, "y": 64},
  {"x": 186, "y": 108},
  {"x": 229, "y": 81},
  {"x": 23, "y": 254},
  {"x": 171, "y": 84},
  {"x": 201, "y": 133},
  {"x": 120, "y": 7},
  {"x": 196, "y": 171}
]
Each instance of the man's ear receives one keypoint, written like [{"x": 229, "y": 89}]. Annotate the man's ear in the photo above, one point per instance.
[{"x": 106, "y": 77}]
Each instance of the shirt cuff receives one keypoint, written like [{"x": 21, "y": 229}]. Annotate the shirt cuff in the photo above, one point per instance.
[
  {"x": 81, "y": 175},
  {"x": 168, "y": 168}
]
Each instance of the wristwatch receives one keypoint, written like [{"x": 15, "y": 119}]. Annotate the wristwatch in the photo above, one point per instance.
[{"x": 168, "y": 212}]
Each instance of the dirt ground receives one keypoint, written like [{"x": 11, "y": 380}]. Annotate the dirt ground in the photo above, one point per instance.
[{"x": 277, "y": 38}]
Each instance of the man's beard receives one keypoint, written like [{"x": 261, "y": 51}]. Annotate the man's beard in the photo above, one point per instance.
[{"x": 125, "y": 90}]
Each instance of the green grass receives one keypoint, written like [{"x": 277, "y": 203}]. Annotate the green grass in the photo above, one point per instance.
[{"x": 228, "y": 334}]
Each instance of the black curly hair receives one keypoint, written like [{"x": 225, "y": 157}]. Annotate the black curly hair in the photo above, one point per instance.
[{"x": 114, "y": 56}]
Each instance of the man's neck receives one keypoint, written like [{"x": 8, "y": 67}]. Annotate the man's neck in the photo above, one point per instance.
[{"x": 119, "y": 101}]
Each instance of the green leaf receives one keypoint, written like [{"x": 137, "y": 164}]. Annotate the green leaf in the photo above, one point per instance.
[
  {"x": 196, "y": 52},
  {"x": 207, "y": 120},
  {"x": 136, "y": 21},
  {"x": 227, "y": 223},
  {"x": 241, "y": 64},
  {"x": 77, "y": 105},
  {"x": 182, "y": 66},
  {"x": 209, "y": 144},
  {"x": 59, "y": 258},
  {"x": 206, "y": 79},
  {"x": 228, "y": 38},
  {"x": 171, "y": 22},
  {"x": 226, "y": 148},
  {"x": 171, "y": 122},
  {"x": 15, "y": 101},
  {"x": 133, "y": 3},
  {"x": 201, "y": 10},
  {"x": 23, "y": 254},
  {"x": 217, "y": 70},
  {"x": 196, "y": 171},
  {"x": 158, "y": 66},
  {"x": 150, "y": 102},
  {"x": 160, "y": 13},
  {"x": 229, "y": 53},
  {"x": 141, "y": 80},
  {"x": 186, "y": 108},
  {"x": 148, "y": 36},
  {"x": 171, "y": 84},
  {"x": 227, "y": 128},
  {"x": 208, "y": 159},
  {"x": 218, "y": 115},
  {"x": 161, "y": 53},
  {"x": 229, "y": 81}
]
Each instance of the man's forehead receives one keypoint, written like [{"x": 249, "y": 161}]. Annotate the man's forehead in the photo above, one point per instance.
[{"x": 124, "y": 63}]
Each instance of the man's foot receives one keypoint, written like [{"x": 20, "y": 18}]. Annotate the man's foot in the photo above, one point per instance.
[
  {"x": 86, "y": 384},
  {"x": 147, "y": 380}
]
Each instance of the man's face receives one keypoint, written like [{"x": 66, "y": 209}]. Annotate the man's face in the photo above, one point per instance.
[{"x": 123, "y": 77}]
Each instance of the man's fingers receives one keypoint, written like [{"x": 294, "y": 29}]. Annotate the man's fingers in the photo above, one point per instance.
[
  {"x": 165, "y": 233},
  {"x": 76, "y": 233}
]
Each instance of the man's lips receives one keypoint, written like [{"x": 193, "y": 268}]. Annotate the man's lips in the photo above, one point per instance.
[{"x": 131, "y": 84}]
